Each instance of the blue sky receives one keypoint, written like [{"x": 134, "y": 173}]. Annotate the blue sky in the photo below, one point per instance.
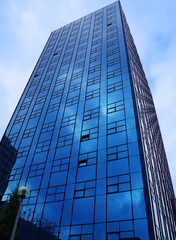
[{"x": 26, "y": 25}]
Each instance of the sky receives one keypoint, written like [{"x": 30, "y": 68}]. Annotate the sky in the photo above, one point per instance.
[{"x": 25, "y": 28}]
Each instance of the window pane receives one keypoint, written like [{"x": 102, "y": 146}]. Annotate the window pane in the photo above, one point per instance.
[
  {"x": 119, "y": 206},
  {"x": 83, "y": 211}
]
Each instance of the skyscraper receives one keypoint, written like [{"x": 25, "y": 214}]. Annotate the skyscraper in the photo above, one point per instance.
[{"x": 88, "y": 140}]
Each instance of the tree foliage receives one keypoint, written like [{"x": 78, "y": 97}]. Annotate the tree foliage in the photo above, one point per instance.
[{"x": 8, "y": 215}]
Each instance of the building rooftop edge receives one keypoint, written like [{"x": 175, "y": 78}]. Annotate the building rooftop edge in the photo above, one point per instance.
[{"x": 84, "y": 16}]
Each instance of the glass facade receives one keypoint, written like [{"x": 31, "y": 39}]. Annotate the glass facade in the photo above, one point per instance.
[{"x": 89, "y": 146}]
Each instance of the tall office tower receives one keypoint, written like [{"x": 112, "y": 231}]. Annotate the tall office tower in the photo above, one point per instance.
[{"x": 88, "y": 140}]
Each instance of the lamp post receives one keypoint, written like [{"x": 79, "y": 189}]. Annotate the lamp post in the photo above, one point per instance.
[{"x": 23, "y": 192}]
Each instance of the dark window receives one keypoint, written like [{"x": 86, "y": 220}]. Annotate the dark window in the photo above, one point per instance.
[
  {"x": 85, "y": 137},
  {"x": 82, "y": 163}
]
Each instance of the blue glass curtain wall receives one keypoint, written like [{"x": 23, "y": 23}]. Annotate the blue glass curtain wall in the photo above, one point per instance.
[{"x": 75, "y": 132}]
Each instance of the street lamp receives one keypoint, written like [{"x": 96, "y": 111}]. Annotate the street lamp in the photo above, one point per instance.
[{"x": 23, "y": 192}]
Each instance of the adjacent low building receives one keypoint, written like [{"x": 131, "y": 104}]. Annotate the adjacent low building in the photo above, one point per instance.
[{"x": 7, "y": 159}]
